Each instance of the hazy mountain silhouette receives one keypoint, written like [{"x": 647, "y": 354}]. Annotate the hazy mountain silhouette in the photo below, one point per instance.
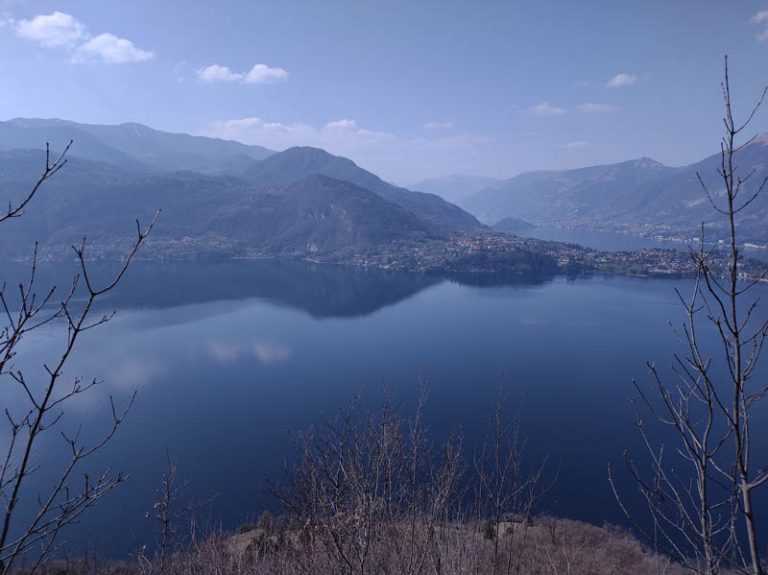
[
  {"x": 554, "y": 196},
  {"x": 639, "y": 196},
  {"x": 129, "y": 144}
]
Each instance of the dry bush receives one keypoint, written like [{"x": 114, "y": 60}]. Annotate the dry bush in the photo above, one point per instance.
[{"x": 552, "y": 547}]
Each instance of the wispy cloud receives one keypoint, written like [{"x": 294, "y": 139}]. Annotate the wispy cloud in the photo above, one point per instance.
[
  {"x": 546, "y": 109},
  {"x": 390, "y": 155},
  {"x": 61, "y": 30},
  {"x": 621, "y": 80},
  {"x": 434, "y": 126},
  {"x": 592, "y": 108},
  {"x": 341, "y": 134},
  {"x": 761, "y": 18},
  {"x": 259, "y": 74},
  {"x": 575, "y": 145}
]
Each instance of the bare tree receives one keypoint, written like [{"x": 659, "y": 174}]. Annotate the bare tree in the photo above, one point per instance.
[
  {"x": 506, "y": 494},
  {"x": 369, "y": 487},
  {"x": 44, "y": 399},
  {"x": 700, "y": 496},
  {"x": 167, "y": 511}
]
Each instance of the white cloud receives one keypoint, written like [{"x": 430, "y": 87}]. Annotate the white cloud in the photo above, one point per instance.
[
  {"x": 263, "y": 74},
  {"x": 342, "y": 125},
  {"x": 434, "y": 126},
  {"x": 389, "y": 155},
  {"x": 57, "y": 29},
  {"x": 110, "y": 49},
  {"x": 576, "y": 145},
  {"x": 760, "y": 18},
  {"x": 216, "y": 73},
  {"x": 60, "y": 30},
  {"x": 621, "y": 80},
  {"x": 591, "y": 108},
  {"x": 259, "y": 74},
  {"x": 545, "y": 109}
]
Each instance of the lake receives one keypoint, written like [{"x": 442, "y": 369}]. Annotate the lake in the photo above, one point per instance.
[
  {"x": 612, "y": 241},
  {"x": 230, "y": 359}
]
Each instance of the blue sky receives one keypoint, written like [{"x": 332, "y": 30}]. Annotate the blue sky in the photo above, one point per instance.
[{"x": 409, "y": 89}]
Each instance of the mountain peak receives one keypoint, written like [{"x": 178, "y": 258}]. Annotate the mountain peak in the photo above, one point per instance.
[
  {"x": 307, "y": 152},
  {"x": 135, "y": 128},
  {"x": 647, "y": 163}
]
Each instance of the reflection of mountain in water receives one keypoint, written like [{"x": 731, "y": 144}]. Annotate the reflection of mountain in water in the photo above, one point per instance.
[
  {"x": 500, "y": 280},
  {"x": 320, "y": 290}
]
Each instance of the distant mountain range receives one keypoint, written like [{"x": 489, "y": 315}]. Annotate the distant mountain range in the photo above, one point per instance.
[
  {"x": 130, "y": 145},
  {"x": 225, "y": 199},
  {"x": 218, "y": 198},
  {"x": 641, "y": 197}
]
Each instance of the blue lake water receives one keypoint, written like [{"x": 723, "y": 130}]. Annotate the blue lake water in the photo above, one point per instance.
[
  {"x": 230, "y": 359},
  {"x": 611, "y": 241}
]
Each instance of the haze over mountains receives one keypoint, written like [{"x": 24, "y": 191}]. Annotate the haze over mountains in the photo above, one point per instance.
[
  {"x": 218, "y": 198},
  {"x": 455, "y": 187},
  {"x": 222, "y": 198},
  {"x": 640, "y": 197},
  {"x": 130, "y": 145}
]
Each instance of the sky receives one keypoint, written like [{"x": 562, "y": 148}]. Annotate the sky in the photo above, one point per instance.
[{"x": 409, "y": 89}]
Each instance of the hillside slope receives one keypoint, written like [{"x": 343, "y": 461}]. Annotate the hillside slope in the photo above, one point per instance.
[
  {"x": 639, "y": 197},
  {"x": 297, "y": 163}
]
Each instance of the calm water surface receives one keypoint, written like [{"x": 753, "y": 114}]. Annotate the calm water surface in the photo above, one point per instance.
[
  {"x": 611, "y": 241},
  {"x": 230, "y": 359}
]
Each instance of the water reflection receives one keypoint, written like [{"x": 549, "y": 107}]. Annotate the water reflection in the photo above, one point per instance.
[
  {"x": 232, "y": 358},
  {"x": 321, "y": 290}
]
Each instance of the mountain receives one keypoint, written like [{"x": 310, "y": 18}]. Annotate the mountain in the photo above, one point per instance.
[
  {"x": 129, "y": 144},
  {"x": 512, "y": 225},
  {"x": 315, "y": 217},
  {"x": 641, "y": 197},
  {"x": 319, "y": 215},
  {"x": 677, "y": 205},
  {"x": 138, "y": 147},
  {"x": 453, "y": 188},
  {"x": 297, "y": 163},
  {"x": 21, "y": 134},
  {"x": 555, "y": 197}
]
